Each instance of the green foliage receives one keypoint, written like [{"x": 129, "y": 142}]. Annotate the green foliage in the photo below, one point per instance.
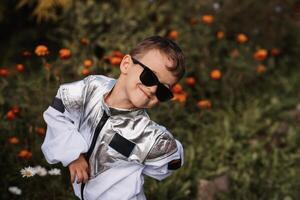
[{"x": 250, "y": 133}]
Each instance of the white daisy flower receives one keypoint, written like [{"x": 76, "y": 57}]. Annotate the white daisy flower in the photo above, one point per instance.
[
  {"x": 216, "y": 6},
  {"x": 41, "y": 171},
  {"x": 54, "y": 172},
  {"x": 15, "y": 190},
  {"x": 28, "y": 172}
]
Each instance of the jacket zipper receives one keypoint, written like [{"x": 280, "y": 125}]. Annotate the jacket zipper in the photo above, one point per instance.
[{"x": 98, "y": 129}]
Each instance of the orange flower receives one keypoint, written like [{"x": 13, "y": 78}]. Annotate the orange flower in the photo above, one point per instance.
[
  {"x": 13, "y": 140},
  {"x": 10, "y": 115},
  {"x": 220, "y": 35},
  {"x": 177, "y": 89},
  {"x": 118, "y": 54},
  {"x": 173, "y": 35},
  {"x": 193, "y": 21},
  {"x": 19, "y": 68},
  {"x": 204, "y": 104},
  {"x": 64, "y": 53},
  {"x": 40, "y": 131},
  {"x": 84, "y": 41},
  {"x": 215, "y": 74},
  {"x": 24, "y": 154},
  {"x": 242, "y": 38},
  {"x": 180, "y": 97},
  {"x": 16, "y": 109},
  {"x": 115, "y": 60},
  {"x": 4, "y": 72},
  {"x": 260, "y": 54},
  {"x": 190, "y": 81},
  {"x": 41, "y": 50},
  {"x": 260, "y": 69},
  {"x": 275, "y": 52},
  {"x": 88, "y": 63},
  {"x": 85, "y": 72},
  {"x": 207, "y": 19}
]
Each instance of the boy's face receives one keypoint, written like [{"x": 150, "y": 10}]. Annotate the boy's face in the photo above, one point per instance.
[{"x": 138, "y": 94}]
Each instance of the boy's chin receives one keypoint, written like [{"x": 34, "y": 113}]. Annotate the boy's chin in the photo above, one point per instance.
[{"x": 141, "y": 104}]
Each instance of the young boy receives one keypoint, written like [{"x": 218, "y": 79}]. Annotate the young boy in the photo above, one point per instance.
[{"x": 99, "y": 127}]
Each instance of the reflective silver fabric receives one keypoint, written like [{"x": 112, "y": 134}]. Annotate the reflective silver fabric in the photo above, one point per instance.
[{"x": 86, "y": 99}]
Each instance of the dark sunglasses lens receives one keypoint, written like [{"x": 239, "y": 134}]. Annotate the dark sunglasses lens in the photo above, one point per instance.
[
  {"x": 163, "y": 93},
  {"x": 148, "y": 78}
]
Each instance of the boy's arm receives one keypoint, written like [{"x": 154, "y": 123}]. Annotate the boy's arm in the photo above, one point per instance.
[
  {"x": 63, "y": 143},
  {"x": 164, "y": 163}
]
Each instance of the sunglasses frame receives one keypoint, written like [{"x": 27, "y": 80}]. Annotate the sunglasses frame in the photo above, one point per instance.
[{"x": 162, "y": 93}]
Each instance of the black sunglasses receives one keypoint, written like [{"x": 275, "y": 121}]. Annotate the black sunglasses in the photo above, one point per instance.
[{"x": 148, "y": 78}]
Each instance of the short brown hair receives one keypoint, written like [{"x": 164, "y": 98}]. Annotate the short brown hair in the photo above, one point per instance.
[{"x": 165, "y": 46}]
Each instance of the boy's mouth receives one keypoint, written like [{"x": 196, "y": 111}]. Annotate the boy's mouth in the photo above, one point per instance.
[{"x": 144, "y": 92}]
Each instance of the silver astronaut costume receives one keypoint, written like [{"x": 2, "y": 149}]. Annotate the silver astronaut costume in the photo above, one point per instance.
[{"x": 129, "y": 144}]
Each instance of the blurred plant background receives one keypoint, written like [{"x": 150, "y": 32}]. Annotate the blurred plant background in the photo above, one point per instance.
[{"x": 236, "y": 111}]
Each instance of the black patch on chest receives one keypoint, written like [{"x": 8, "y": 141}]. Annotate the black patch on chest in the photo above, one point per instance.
[{"x": 122, "y": 145}]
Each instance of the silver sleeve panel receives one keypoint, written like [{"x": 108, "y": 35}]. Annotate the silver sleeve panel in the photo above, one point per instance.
[{"x": 163, "y": 147}]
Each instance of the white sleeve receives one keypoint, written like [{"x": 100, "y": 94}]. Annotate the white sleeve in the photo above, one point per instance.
[
  {"x": 161, "y": 168},
  {"x": 63, "y": 143}
]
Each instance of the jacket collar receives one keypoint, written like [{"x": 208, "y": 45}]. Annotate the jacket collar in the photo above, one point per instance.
[{"x": 111, "y": 111}]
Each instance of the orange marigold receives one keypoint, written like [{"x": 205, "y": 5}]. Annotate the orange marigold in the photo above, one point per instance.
[
  {"x": 115, "y": 60},
  {"x": 215, "y": 74},
  {"x": 65, "y": 53},
  {"x": 41, "y": 50},
  {"x": 13, "y": 140},
  {"x": 117, "y": 54},
  {"x": 190, "y": 81},
  {"x": 207, "y": 19},
  {"x": 177, "y": 89},
  {"x": 220, "y": 35},
  {"x": 260, "y": 54},
  {"x": 173, "y": 35},
  {"x": 84, "y": 41},
  {"x": 85, "y": 72},
  {"x": 241, "y": 38},
  {"x": 88, "y": 63},
  {"x": 180, "y": 97},
  {"x": 40, "y": 131},
  {"x": 20, "y": 68},
  {"x": 260, "y": 69},
  {"x": 16, "y": 109},
  {"x": 4, "y": 72},
  {"x": 10, "y": 115},
  {"x": 204, "y": 104},
  {"x": 275, "y": 52},
  {"x": 24, "y": 154}
]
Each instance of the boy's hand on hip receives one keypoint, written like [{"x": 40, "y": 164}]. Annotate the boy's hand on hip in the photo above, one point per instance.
[{"x": 79, "y": 168}]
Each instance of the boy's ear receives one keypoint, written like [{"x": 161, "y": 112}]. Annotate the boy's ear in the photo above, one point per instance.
[{"x": 125, "y": 64}]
